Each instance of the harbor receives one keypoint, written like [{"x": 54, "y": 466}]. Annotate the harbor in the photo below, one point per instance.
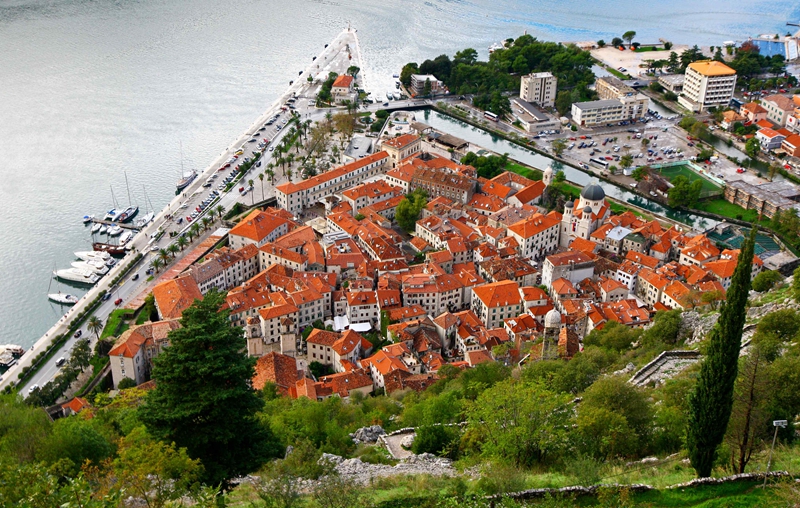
[{"x": 167, "y": 225}]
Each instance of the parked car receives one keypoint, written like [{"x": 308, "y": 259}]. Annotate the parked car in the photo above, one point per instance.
[{"x": 118, "y": 301}]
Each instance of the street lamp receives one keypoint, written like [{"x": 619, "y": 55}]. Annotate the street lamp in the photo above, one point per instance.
[{"x": 777, "y": 424}]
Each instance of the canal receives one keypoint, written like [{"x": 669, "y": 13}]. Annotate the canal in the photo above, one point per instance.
[{"x": 499, "y": 145}]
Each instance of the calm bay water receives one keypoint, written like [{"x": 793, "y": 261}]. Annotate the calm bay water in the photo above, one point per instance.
[{"x": 90, "y": 90}]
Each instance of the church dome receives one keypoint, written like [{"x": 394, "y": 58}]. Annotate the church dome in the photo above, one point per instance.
[
  {"x": 593, "y": 192},
  {"x": 587, "y": 209},
  {"x": 552, "y": 319},
  {"x": 569, "y": 204}
]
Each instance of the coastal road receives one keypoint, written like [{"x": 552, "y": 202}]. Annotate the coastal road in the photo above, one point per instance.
[{"x": 334, "y": 57}]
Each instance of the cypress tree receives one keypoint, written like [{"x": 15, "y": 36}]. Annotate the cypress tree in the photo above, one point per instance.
[
  {"x": 204, "y": 400},
  {"x": 711, "y": 401}
]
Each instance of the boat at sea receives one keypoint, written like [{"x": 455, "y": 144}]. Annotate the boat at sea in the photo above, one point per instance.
[
  {"x": 63, "y": 298},
  {"x": 112, "y": 214},
  {"x": 186, "y": 179},
  {"x": 97, "y": 267},
  {"x": 77, "y": 275},
  {"x": 110, "y": 248},
  {"x": 144, "y": 221},
  {"x": 87, "y": 219},
  {"x": 9, "y": 354},
  {"x": 114, "y": 230},
  {"x": 90, "y": 255},
  {"x": 128, "y": 214},
  {"x": 96, "y": 227}
]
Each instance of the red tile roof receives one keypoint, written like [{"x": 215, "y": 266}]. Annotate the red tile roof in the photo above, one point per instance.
[{"x": 278, "y": 369}]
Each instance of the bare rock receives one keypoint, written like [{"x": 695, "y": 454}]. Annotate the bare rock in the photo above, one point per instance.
[
  {"x": 368, "y": 434},
  {"x": 408, "y": 441}
]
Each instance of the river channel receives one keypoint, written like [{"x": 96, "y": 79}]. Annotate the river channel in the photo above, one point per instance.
[{"x": 499, "y": 145}]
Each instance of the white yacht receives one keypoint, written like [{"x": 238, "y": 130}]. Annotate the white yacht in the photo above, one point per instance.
[
  {"x": 77, "y": 275},
  {"x": 103, "y": 229},
  {"x": 87, "y": 218},
  {"x": 105, "y": 257},
  {"x": 114, "y": 230},
  {"x": 96, "y": 227},
  {"x": 63, "y": 298},
  {"x": 125, "y": 237},
  {"x": 144, "y": 221},
  {"x": 99, "y": 268},
  {"x": 113, "y": 214}
]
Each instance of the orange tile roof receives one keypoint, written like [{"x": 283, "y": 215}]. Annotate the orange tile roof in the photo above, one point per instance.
[
  {"x": 498, "y": 294},
  {"x": 357, "y": 298},
  {"x": 642, "y": 259},
  {"x": 277, "y": 311},
  {"x": 530, "y": 193},
  {"x": 132, "y": 339},
  {"x": 535, "y": 225},
  {"x": 343, "y": 382},
  {"x": 291, "y": 188},
  {"x": 278, "y": 369},
  {"x": 583, "y": 245},
  {"x": 565, "y": 258},
  {"x": 289, "y": 255},
  {"x": 343, "y": 81},
  {"x": 712, "y": 68},
  {"x": 400, "y": 141},
  {"x": 347, "y": 342},
  {"x": 175, "y": 296},
  {"x": 258, "y": 225}
]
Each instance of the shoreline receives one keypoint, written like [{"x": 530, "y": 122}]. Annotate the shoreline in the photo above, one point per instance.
[{"x": 62, "y": 325}]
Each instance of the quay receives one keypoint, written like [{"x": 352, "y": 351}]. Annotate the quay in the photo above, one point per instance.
[{"x": 341, "y": 52}]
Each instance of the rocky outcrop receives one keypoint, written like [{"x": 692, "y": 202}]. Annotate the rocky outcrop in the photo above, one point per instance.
[
  {"x": 363, "y": 472},
  {"x": 368, "y": 434},
  {"x": 763, "y": 310},
  {"x": 695, "y": 326}
]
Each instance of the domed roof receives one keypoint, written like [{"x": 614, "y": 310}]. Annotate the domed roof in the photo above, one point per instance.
[
  {"x": 569, "y": 204},
  {"x": 587, "y": 209},
  {"x": 593, "y": 192},
  {"x": 552, "y": 319}
]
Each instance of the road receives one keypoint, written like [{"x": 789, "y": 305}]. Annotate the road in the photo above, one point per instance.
[{"x": 333, "y": 58}]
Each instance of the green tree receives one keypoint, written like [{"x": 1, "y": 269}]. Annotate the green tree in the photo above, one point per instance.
[
  {"x": 155, "y": 471},
  {"x": 752, "y": 147},
  {"x": 203, "y": 400},
  {"x": 524, "y": 423},
  {"x": 23, "y": 430},
  {"x": 426, "y": 88},
  {"x": 559, "y": 145},
  {"x": 73, "y": 442},
  {"x": 601, "y": 43},
  {"x": 766, "y": 280},
  {"x": 639, "y": 173},
  {"x": 626, "y": 161},
  {"x": 408, "y": 70},
  {"x": 81, "y": 355},
  {"x": 563, "y": 102},
  {"x": 616, "y": 42},
  {"x": 409, "y": 208},
  {"x": 711, "y": 401},
  {"x": 126, "y": 383},
  {"x": 95, "y": 326},
  {"x": 628, "y": 36},
  {"x": 614, "y": 336}
]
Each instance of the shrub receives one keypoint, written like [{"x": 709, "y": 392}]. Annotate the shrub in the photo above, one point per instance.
[
  {"x": 436, "y": 439},
  {"x": 766, "y": 280}
]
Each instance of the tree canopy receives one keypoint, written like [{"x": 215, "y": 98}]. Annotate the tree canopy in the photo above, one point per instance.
[{"x": 203, "y": 399}]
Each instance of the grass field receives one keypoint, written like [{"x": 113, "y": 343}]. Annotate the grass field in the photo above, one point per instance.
[
  {"x": 523, "y": 171},
  {"x": 724, "y": 208},
  {"x": 671, "y": 172}
]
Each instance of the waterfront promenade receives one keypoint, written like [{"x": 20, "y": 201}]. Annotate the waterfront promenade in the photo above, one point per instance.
[{"x": 334, "y": 57}]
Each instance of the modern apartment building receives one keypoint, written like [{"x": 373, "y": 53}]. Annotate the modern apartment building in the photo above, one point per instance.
[
  {"x": 539, "y": 88},
  {"x": 707, "y": 84}
]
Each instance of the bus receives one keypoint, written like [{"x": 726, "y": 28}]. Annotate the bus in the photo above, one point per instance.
[
  {"x": 491, "y": 116},
  {"x": 600, "y": 162}
]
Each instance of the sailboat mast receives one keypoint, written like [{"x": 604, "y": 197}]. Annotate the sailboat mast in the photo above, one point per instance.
[{"x": 127, "y": 187}]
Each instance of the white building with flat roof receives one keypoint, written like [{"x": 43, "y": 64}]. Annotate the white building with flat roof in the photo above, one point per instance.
[{"x": 539, "y": 88}]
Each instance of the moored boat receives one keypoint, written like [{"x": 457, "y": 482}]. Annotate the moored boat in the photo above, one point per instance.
[
  {"x": 144, "y": 221},
  {"x": 9, "y": 354},
  {"x": 114, "y": 230},
  {"x": 112, "y": 214},
  {"x": 128, "y": 214},
  {"x": 186, "y": 179},
  {"x": 103, "y": 229},
  {"x": 87, "y": 219},
  {"x": 125, "y": 238},
  {"x": 97, "y": 267},
  {"x": 96, "y": 227},
  {"x": 110, "y": 248},
  {"x": 63, "y": 298},
  {"x": 77, "y": 275}
]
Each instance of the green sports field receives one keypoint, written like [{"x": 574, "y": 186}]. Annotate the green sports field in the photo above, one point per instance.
[{"x": 671, "y": 172}]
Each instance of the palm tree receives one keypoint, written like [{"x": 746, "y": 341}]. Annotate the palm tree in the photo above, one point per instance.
[
  {"x": 220, "y": 211},
  {"x": 95, "y": 325},
  {"x": 182, "y": 241},
  {"x": 163, "y": 255},
  {"x": 289, "y": 174},
  {"x": 156, "y": 263},
  {"x": 196, "y": 228},
  {"x": 173, "y": 249},
  {"x": 206, "y": 222},
  {"x": 270, "y": 175},
  {"x": 291, "y": 158},
  {"x": 261, "y": 177}
]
